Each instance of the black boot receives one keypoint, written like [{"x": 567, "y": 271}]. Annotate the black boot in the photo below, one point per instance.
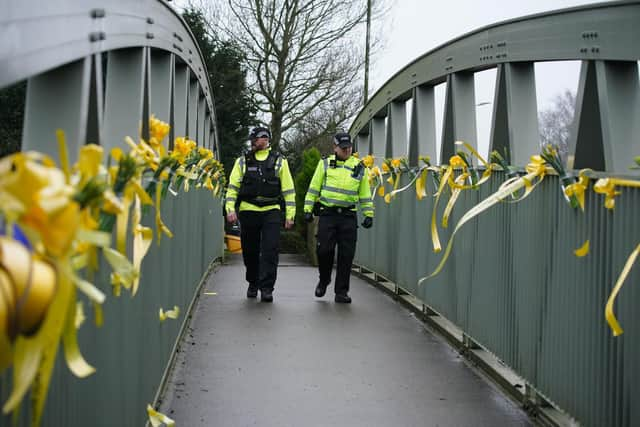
[
  {"x": 252, "y": 291},
  {"x": 343, "y": 299},
  {"x": 266, "y": 295},
  {"x": 321, "y": 290}
]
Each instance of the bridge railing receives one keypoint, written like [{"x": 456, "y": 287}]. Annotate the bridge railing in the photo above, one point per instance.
[
  {"x": 512, "y": 283},
  {"x": 98, "y": 70}
]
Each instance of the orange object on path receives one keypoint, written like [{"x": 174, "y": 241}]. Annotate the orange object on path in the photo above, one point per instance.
[{"x": 233, "y": 243}]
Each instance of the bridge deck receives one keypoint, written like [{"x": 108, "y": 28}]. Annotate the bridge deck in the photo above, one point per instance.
[{"x": 305, "y": 361}]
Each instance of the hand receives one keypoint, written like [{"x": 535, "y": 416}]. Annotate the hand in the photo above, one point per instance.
[
  {"x": 232, "y": 217},
  {"x": 367, "y": 222},
  {"x": 308, "y": 216},
  {"x": 288, "y": 223}
]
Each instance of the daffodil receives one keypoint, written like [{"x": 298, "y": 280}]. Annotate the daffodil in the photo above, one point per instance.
[
  {"x": 456, "y": 162},
  {"x": 89, "y": 161},
  {"x": 368, "y": 161},
  {"x": 158, "y": 130}
]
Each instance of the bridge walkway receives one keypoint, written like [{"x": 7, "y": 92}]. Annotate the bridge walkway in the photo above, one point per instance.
[{"x": 303, "y": 361}]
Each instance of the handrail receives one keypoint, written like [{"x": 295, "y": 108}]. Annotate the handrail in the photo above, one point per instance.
[{"x": 37, "y": 39}]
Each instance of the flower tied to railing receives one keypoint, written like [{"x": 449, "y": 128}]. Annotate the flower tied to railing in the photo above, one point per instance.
[
  {"x": 536, "y": 170},
  {"x": 504, "y": 161},
  {"x": 55, "y": 220},
  {"x": 393, "y": 167},
  {"x": 551, "y": 155}
]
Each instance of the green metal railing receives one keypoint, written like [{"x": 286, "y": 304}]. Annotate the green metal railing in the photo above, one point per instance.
[
  {"x": 512, "y": 283},
  {"x": 132, "y": 350},
  {"x": 98, "y": 70}
]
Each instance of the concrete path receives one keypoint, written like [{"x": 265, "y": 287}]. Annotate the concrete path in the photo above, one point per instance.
[{"x": 303, "y": 361}]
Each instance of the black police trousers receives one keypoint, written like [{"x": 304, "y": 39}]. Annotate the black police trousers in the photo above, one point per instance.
[
  {"x": 341, "y": 230},
  {"x": 260, "y": 238}
]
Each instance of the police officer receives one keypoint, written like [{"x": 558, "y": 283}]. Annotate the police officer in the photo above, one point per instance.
[
  {"x": 338, "y": 185},
  {"x": 258, "y": 183}
]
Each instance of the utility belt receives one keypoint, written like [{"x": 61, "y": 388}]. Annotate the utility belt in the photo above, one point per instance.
[{"x": 336, "y": 210}]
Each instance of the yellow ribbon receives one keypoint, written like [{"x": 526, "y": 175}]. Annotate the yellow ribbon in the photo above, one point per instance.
[
  {"x": 582, "y": 250},
  {"x": 76, "y": 363},
  {"x": 421, "y": 184},
  {"x": 156, "y": 418},
  {"x": 435, "y": 239},
  {"x": 496, "y": 197},
  {"x": 607, "y": 186},
  {"x": 142, "y": 237},
  {"x": 578, "y": 189},
  {"x": 455, "y": 193},
  {"x": 160, "y": 226},
  {"x": 608, "y": 311},
  {"x": 169, "y": 314},
  {"x": 64, "y": 154},
  {"x": 122, "y": 221},
  {"x": 124, "y": 273}
]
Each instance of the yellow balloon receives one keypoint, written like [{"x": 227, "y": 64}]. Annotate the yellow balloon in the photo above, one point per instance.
[{"x": 34, "y": 283}]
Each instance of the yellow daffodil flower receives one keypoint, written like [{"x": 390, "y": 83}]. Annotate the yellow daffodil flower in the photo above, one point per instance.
[
  {"x": 368, "y": 161},
  {"x": 457, "y": 162},
  {"x": 89, "y": 161}
]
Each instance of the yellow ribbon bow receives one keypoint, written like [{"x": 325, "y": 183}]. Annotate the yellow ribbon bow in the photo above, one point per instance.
[{"x": 607, "y": 186}]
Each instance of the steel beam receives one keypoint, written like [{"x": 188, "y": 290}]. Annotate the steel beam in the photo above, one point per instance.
[
  {"x": 180, "y": 97},
  {"x": 192, "y": 109},
  {"x": 514, "y": 127},
  {"x": 201, "y": 121},
  {"x": 603, "y": 31},
  {"x": 123, "y": 111},
  {"x": 606, "y": 118},
  {"x": 362, "y": 144},
  {"x": 396, "y": 143},
  {"x": 96, "y": 102},
  {"x": 422, "y": 134},
  {"x": 58, "y": 99},
  {"x": 459, "y": 122},
  {"x": 160, "y": 72},
  {"x": 378, "y": 137}
]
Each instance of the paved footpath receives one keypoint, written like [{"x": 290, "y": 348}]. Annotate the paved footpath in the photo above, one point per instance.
[{"x": 303, "y": 361}]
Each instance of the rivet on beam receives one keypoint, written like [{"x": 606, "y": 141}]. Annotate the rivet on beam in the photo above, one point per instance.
[
  {"x": 97, "y": 36},
  {"x": 97, "y": 13}
]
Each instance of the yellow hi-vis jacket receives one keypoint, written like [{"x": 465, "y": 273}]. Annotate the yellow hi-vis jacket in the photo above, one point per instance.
[
  {"x": 286, "y": 187},
  {"x": 333, "y": 184}
]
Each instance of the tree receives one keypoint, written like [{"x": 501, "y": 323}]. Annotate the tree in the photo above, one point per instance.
[
  {"x": 555, "y": 122},
  {"x": 12, "y": 100},
  {"x": 310, "y": 159},
  {"x": 228, "y": 76},
  {"x": 303, "y": 55}
]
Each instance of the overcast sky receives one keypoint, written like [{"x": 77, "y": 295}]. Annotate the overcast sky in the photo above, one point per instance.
[{"x": 413, "y": 27}]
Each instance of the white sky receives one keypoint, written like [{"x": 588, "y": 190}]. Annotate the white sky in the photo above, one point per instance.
[{"x": 413, "y": 27}]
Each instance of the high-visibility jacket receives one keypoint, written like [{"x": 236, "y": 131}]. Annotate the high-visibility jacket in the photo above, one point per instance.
[
  {"x": 286, "y": 186},
  {"x": 338, "y": 183}
]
